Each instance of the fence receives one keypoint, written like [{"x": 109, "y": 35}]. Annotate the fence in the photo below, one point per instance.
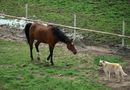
[
  {"x": 73, "y": 19},
  {"x": 77, "y": 28}
]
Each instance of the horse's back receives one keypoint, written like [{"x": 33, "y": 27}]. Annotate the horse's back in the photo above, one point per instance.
[
  {"x": 42, "y": 33},
  {"x": 38, "y": 27}
]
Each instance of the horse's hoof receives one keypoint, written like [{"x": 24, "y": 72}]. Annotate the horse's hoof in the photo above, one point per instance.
[
  {"x": 52, "y": 64},
  {"x": 38, "y": 58},
  {"x": 32, "y": 60},
  {"x": 118, "y": 81},
  {"x": 46, "y": 63}
]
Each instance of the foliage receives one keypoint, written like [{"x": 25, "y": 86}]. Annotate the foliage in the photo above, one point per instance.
[
  {"x": 100, "y": 15},
  {"x": 110, "y": 58},
  {"x": 70, "y": 72}
]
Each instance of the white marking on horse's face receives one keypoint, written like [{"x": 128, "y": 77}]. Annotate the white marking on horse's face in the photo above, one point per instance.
[
  {"x": 45, "y": 24},
  {"x": 72, "y": 43}
]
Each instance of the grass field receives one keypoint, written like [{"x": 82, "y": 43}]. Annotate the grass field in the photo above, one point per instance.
[
  {"x": 70, "y": 72},
  {"x": 95, "y": 14},
  {"x": 100, "y": 15}
]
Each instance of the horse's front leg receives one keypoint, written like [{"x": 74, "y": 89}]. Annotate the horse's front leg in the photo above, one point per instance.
[
  {"x": 38, "y": 54},
  {"x": 51, "y": 48},
  {"x": 52, "y": 57}
]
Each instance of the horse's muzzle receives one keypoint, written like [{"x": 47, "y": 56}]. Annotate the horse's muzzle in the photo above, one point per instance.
[{"x": 74, "y": 52}]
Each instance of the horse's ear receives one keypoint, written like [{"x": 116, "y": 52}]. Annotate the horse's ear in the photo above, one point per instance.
[{"x": 57, "y": 27}]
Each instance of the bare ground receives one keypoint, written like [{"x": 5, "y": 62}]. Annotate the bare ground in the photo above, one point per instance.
[
  {"x": 113, "y": 84},
  {"x": 18, "y": 35},
  {"x": 9, "y": 33}
]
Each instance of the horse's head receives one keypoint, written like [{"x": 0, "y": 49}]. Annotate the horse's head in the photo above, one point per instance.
[{"x": 71, "y": 47}]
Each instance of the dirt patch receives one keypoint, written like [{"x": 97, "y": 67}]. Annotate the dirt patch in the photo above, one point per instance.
[
  {"x": 6, "y": 66},
  {"x": 123, "y": 52},
  {"x": 11, "y": 33},
  {"x": 116, "y": 85}
]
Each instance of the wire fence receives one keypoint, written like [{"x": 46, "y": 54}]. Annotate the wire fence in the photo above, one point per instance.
[{"x": 74, "y": 21}]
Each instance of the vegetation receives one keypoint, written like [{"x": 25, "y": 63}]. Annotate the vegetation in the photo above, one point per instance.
[
  {"x": 69, "y": 73},
  {"x": 100, "y": 15}
]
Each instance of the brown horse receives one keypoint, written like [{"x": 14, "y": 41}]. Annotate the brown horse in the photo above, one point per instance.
[{"x": 46, "y": 34}]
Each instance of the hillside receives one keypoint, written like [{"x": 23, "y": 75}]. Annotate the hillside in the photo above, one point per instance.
[
  {"x": 101, "y": 15},
  {"x": 70, "y": 72}
]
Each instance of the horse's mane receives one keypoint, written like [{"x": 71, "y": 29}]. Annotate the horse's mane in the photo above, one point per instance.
[{"x": 60, "y": 35}]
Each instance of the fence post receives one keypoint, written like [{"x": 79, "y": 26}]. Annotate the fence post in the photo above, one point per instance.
[
  {"x": 123, "y": 33},
  {"x": 74, "y": 28},
  {"x": 26, "y": 10}
]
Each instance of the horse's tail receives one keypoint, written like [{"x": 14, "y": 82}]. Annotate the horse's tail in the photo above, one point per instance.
[{"x": 26, "y": 30}]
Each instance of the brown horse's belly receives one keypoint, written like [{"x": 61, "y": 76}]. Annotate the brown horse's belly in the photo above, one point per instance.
[
  {"x": 45, "y": 36},
  {"x": 41, "y": 39}
]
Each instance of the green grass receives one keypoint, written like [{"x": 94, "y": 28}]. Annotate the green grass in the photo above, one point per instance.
[
  {"x": 100, "y": 15},
  {"x": 95, "y": 14},
  {"x": 69, "y": 73},
  {"x": 110, "y": 58}
]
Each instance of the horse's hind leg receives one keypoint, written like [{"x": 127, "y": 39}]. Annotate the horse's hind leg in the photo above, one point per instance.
[
  {"x": 31, "y": 48},
  {"x": 48, "y": 57},
  {"x": 38, "y": 54}
]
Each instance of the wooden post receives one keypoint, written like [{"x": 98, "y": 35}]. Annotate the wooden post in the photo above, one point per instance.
[
  {"x": 123, "y": 33},
  {"x": 74, "y": 28},
  {"x": 26, "y": 10}
]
